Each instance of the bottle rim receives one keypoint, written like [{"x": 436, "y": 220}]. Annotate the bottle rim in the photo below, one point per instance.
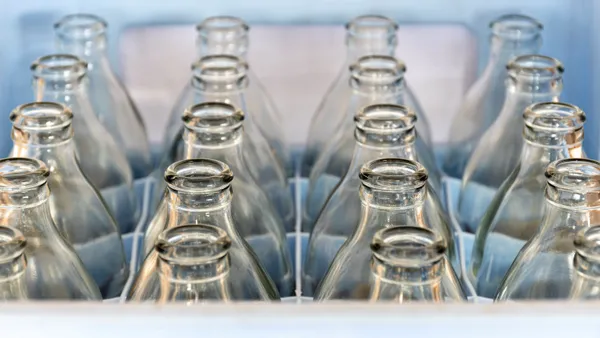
[
  {"x": 12, "y": 243},
  {"x": 580, "y": 175},
  {"x": 393, "y": 174},
  {"x": 22, "y": 173},
  {"x": 201, "y": 175},
  {"x": 378, "y": 69},
  {"x": 213, "y": 117},
  {"x": 41, "y": 116},
  {"x": 516, "y": 27},
  {"x": 370, "y": 25},
  {"x": 222, "y": 24},
  {"x": 189, "y": 244},
  {"x": 385, "y": 118},
  {"x": 408, "y": 246},
  {"x": 220, "y": 68},
  {"x": 59, "y": 66},
  {"x": 554, "y": 117},
  {"x": 540, "y": 67},
  {"x": 80, "y": 26}
]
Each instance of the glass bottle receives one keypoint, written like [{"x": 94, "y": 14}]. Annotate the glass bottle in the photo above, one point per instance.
[
  {"x": 586, "y": 265},
  {"x": 13, "y": 285},
  {"x": 43, "y": 130},
  {"x": 393, "y": 191},
  {"x": 54, "y": 271},
  {"x": 199, "y": 191},
  {"x": 407, "y": 265},
  {"x": 512, "y": 35},
  {"x": 194, "y": 265},
  {"x": 381, "y": 130},
  {"x": 552, "y": 131},
  {"x": 62, "y": 78},
  {"x": 224, "y": 78},
  {"x": 531, "y": 79},
  {"x": 85, "y": 36},
  {"x": 543, "y": 268},
  {"x": 219, "y": 130},
  {"x": 374, "y": 79}
]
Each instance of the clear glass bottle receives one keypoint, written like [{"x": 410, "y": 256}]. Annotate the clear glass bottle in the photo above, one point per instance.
[
  {"x": 512, "y": 35},
  {"x": 43, "y": 130},
  {"x": 199, "y": 191},
  {"x": 531, "y": 79},
  {"x": 54, "y": 271},
  {"x": 393, "y": 191},
  {"x": 224, "y": 78},
  {"x": 543, "y": 268},
  {"x": 85, "y": 36},
  {"x": 13, "y": 263},
  {"x": 552, "y": 131},
  {"x": 62, "y": 78},
  {"x": 586, "y": 265},
  {"x": 219, "y": 130},
  {"x": 375, "y": 79},
  {"x": 193, "y": 264},
  {"x": 381, "y": 130},
  {"x": 407, "y": 266}
]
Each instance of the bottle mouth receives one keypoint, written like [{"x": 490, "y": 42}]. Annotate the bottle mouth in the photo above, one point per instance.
[
  {"x": 385, "y": 118},
  {"x": 12, "y": 244},
  {"x": 554, "y": 117},
  {"x": 19, "y": 174},
  {"x": 222, "y": 27},
  {"x": 578, "y": 175},
  {"x": 220, "y": 68},
  {"x": 393, "y": 174},
  {"x": 200, "y": 175},
  {"x": 408, "y": 246},
  {"x": 516, "y": 27},
  {"x": 371, "y": 27},
  {"x": 80, "y": 27},
  {"x": 378, "y": 69},
  {"x": 59, "y": 67},
  {"x": 538, "y": 67},
  {"x": 41, "y": 116},
  {"x": 213, "y": 117},
  {"x": 190, "y": 244}
]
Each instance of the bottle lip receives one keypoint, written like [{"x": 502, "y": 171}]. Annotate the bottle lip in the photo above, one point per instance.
[
  {"x": 378, "y": 69},
  {"x": 408, "y": 246},
  {"x": 393, "y": 174},
  {"x": 516, "y": 27},
  {"x": 223, "y": 24},
  {"x": 12, "y": 243},
  {"x": 41, "y": 116},
  {"x": 587, "y": 244},
  {"x": 80, "y": 27},
  {"x": 220, "y": 68},
  {"x": 554, "y": 117},
  {"x": 580, "y": 175},
  {"x": 540, "y": 67},
  {"x": 200, "y": 175},
  {"x": 59, "y": 67},
  {"x": 371, "y": 26},
  {"x": 192, "y": 244},
  {"x": 385, "y": 118},
  {"x": 20, "y": 173},
  {"x": 213, "y": 117}
]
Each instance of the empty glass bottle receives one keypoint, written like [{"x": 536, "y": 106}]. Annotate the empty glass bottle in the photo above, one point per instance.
[
  {"x": 13, "y": 285},
  {"x": 192, "y": 264},
  {"x": 531, "y": 79},
  {"x": 85, "y": 36},
  {"x": 199, "y": 191},
  {"x": 543, "y": 269},
  {"x": 552, "y": 131},
  {"x": 224, "y": 78},
  {"x": 511, "y": 35},
  {"x": 54, "y": 271},
  {"x": 586, "y": 265},
  {"x": 407, "y": 265},
  {"x": 381, "y": 130},
  {"x": 393, "y": 191},
  {"x": 62, "y": 78},
  {"x": 43, "y": 130}
]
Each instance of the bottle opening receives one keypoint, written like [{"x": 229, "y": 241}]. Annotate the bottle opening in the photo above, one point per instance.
[
  {"x": 80, "y": 27},
  {"x": 577, "y": 175},
  {"x": 516, "y": 27},
  {"x": 193, "y": 244},
  {"x": 226, "y": 27},
  {"x": 18, "y": 174},
  {"x": 393, "y": 174},
  {"x": 385, "y": 118},
  {"x": 220, "y": 68},
  {"x": 378, "y": 69},
  {"x": 539, "y": 67},
  {"x": 59, "y": 67},
  {"x": 408, "y": 246},
  {"x": 554, "y": 117},
  {"x": 214, "y": 117},
  {"x": 41, "y": 116},
  {"x": 200, "y": 175},
  {"x": 371, "y": 27},
  {"x": 12, "y": 244}
]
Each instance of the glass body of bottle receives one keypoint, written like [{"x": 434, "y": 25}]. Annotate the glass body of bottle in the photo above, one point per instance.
[
  {"x": 512, "y": 35},
  {"x": 381, "y": 130},
  {"x": 43, "y": 130},
  {"x": 531, "y": 79},
  {"x": 85, "y": 36},
  {"x": 13, "y": 263},
  {"x": 390, "y": 191},
  {"x": 62, "y": 78},
  {"x": 199, "y": 192},
  {"x": 53, "y": 269},
  {"x": 586, "y": 265},
  {"x": 543, "y": 269},
  {"x": 552, "y": 131}
]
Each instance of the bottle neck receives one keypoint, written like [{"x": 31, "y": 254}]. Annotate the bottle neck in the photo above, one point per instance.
[
  {"x": 503, "y": 50},
  {"x": 203, "y": 85},
  {"x": 93, "y": 51},
  {"x": 194, "y": 270},
  {"x": 227, "y": 150},
  {"x": 520, "y": 94},
  {"x": 535, "y": 157},
  {"x": 359, "y": 47},
  {"x": 27, "y": 211},
  {"x": 58, "y": 157},
  {"x": 49, "y": 88},
  {"x": 364, "y": 153},
  {"x": 393, "y": 87}
]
